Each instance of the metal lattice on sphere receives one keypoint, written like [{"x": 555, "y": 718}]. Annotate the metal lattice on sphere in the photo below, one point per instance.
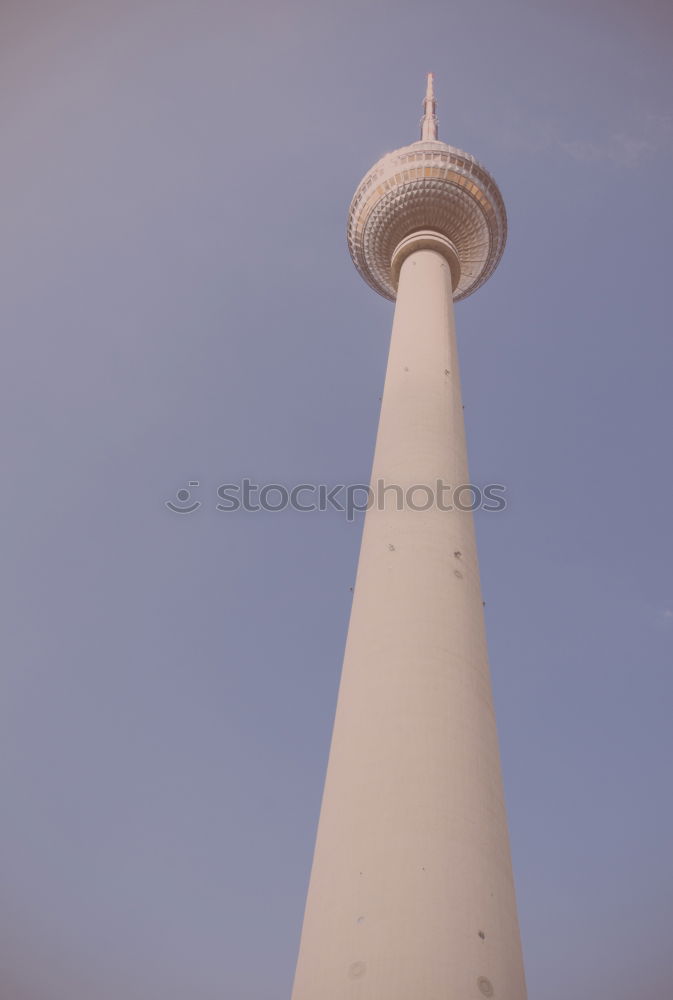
[{"x": 427, "y": 185}]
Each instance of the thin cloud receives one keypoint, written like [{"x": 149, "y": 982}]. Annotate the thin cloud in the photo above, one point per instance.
[{"x": 625, "y": 149}]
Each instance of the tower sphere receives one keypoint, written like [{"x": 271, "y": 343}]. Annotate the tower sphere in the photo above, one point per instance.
[{"x": 427, "y": 185}]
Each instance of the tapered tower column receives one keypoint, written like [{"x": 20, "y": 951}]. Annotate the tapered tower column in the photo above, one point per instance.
[{"x": 411, "y": 894}]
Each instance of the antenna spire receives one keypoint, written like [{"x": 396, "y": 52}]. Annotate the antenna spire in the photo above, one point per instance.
[{"x": 429, "y": 119}]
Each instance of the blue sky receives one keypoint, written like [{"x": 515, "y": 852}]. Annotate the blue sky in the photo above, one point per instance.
[{"x": 178, "y": 304}]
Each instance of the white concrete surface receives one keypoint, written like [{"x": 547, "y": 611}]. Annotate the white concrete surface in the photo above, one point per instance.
[{"x": 411, "y": 894}]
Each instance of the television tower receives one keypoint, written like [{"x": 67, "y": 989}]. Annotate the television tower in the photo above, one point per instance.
[{"x": 411, "y": 894}]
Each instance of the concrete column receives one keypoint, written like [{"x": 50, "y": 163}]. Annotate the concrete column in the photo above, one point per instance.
[{"x": 411, "y": 894}]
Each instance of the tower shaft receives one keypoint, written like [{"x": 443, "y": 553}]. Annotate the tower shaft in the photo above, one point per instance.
[{"x": 411, "y": 894}]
